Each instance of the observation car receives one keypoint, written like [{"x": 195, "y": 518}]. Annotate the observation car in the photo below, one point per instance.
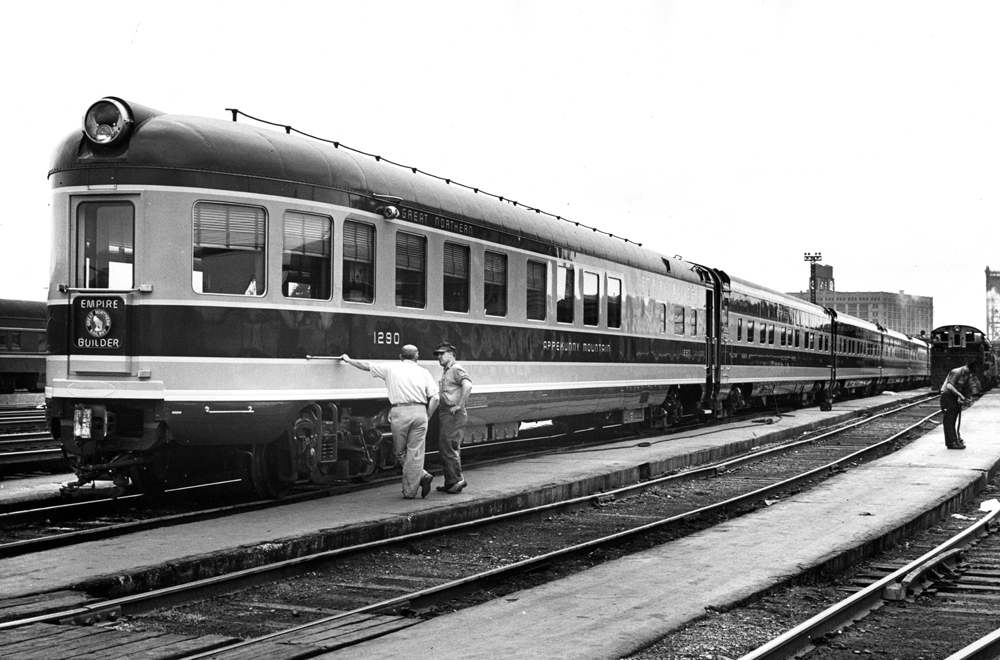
[
  {"x": 956, "y": 345},
  {"x": 22, "y": 345},
  {"x": 203, "y": 269}
]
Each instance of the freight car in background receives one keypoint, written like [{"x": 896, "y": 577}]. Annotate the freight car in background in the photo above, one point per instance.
[
  {"x": 200, "y": 266},
  {"x": 22, "y": 345},
  {"x": 956, "y": 345}
]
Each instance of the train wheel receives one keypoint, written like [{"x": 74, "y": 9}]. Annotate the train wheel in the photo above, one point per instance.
[
  {"x": 266, "y": 469},
  {"x": 151, "y": 477}
]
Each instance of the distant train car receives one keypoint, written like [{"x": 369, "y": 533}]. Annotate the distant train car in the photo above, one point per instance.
[
  {"x": 955, "y": 345},
  {"x": 22, "y": 345},
  {"x": 200, "y": 266}
]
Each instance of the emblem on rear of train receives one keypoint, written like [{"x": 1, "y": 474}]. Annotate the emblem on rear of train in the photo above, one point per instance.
[{"x": 98, "y": 323}]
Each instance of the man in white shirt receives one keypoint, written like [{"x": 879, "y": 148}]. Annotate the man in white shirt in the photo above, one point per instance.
[{"x": 414, "y": 397}]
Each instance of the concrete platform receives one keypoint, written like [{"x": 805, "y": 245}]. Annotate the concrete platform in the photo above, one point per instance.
[{"x": 611, "y": 610}]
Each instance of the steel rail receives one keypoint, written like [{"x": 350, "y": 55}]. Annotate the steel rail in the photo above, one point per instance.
[
  {"x": 31, "y": 456},
  {"x": 985, "y": 648},
  {"x": 800, "y": 638},
  {"x": 138, "y": 603}
]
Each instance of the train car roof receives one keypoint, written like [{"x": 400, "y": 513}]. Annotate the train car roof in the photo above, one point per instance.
[
  {"x": 958, "y": 328},
  {"x": 741, "y": 285},
  {"x": 241, "y": 156},
  {"x": 22, "y": 309}
]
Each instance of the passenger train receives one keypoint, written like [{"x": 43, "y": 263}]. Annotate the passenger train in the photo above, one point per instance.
[
  {"x": 207, "y": 271},
  {"x": 22, "y": 345}
]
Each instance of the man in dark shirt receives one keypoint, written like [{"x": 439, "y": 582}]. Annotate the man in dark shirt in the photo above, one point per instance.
[{"x": 952, "y": 398}]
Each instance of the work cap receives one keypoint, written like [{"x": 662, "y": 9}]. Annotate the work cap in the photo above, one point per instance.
[
  {"x": 408, "y": 352},
  {"x": 445, "y": 347}
]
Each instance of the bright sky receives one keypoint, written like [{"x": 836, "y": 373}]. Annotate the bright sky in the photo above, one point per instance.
[{"x": 739, "y": 134}]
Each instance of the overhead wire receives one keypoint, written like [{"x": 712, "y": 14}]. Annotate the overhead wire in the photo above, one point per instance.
[{"x": 415, "y": 170}]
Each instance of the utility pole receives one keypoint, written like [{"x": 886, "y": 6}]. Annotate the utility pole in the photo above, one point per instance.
[{"x": 812, "y": 259}]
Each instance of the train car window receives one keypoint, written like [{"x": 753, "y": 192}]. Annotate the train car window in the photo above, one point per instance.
[
  {"x": 3, "y": 340},
  {"x": 495, "y": 284},
  {"x": 591, "y": 299},
  {"x": 359, "y": 262},
  {"x": 784, "y": 336},
  {"x": 739, "y": 329},
  {"x": 614, "y": 302},
  {"x": 566, "y": 292},
  {"x": 693, "y": 322},
  {"x": 105, "y": 245},
  {"x": 456, "y": 277},
  {"x": 307, "y": 261},
  {"x": 537, "y": 290},
  {"x": 812, "y": 340},
  {"x": 770, "y": 334},
  {"x": 678, "y": 320},
  {"x": 41, "y": 342},
  {"x": 796, "y": 337},
  {"x": 15, "y": 340},
  {"x": 750, "y": 324},
  {"x": 663, "y": 317},
  {"x": 411, "y": 270},
  {"x": 229, "y": 249},
  {"x": 763, "y": 334}
]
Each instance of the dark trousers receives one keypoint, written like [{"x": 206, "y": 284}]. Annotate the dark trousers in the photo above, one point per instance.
[{"x": 952, "y": 410}]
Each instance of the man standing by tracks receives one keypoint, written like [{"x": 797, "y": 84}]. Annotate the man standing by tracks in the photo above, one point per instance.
[
  {"x": 952, "y": 398},
  {"x": 455, "y": 388},
  {"x": 414, "y": 397}
]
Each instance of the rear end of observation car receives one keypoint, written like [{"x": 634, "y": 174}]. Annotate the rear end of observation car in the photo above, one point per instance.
[{"x": 200, "y": 267}]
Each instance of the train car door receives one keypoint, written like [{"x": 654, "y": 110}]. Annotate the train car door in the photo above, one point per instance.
[
  {"x": 102, "y": 283},
  {"x": 725, "y": 340}
]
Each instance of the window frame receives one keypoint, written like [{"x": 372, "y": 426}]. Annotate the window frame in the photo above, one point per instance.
[
  {"x": 591, "y": 301},
  {"x": 260, "y": 253},
  {"x": 566, "y": 273},
  {"x": 490, "y": 288},
  {"x": 614, "y": 309},
  {"x": 532, "y": 305},
  {"x": 419, "y": 287},
  {"x": 347, "y": 271},
  {"x": 446, "y": 278},
  {"x": 328, "y": 242},
  {"x": 82, "y": 270}
]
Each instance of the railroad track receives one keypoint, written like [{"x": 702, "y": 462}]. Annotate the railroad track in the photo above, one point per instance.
[
  {"x": 943, "y": 604},
  {"x": 25, "y": 444},
  {"x": 376, "y": 593}
]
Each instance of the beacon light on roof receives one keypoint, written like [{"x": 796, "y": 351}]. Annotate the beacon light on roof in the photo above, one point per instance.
[{"x": 107, "y": 122}]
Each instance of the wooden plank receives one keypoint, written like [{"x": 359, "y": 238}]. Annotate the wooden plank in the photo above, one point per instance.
[
  {"x": 67, "y": 595},
  {"x": 23, "y": 641},
  {"x": 22, "y": 608},
  {"x": 87, "y": 638},
  {"x": 183, "y": 647},
  {"x": 96, "y": 639},
  {"x": 321, "y": 635},
  {"x": 28, "y": 632},
  {"x": 270, "y": 651},
  {"x": 368, "y": 633},
  {"x": 122, "y": 645},
  {"x": 339, "y": 627}
]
